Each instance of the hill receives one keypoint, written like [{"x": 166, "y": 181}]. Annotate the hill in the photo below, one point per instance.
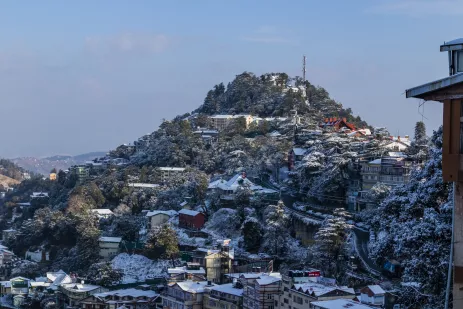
[
  {"x": 11, "y": 170},
  {"x": 60, "y": 162},
  {"x": 7, "y": 181}
]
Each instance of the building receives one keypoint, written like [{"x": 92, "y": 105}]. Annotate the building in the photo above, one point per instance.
[
  {"x": 185, "y": 295},
  {"x": 139, "y": 185},
  {"x": 225, "y": 296},
  {"x": 158, "y": 217},
  {"x": 190, "y": 272},
  {"x": 294, "y": 156},
  {"x": 8, "y": 234},
  {"x": 128, "y": 298},
  {"x": 55, "y": 279},
  {"x": 70, "y": 294},
  {"x": 217, "y": 262},
  {"x": 262, "y": 292},
  {"x": 103, "y": 213},
  {"x": 109, "y": 247},
  {"x": 190, "y": 219},
  {"x": 20, "y": 286},
  {"x": 301, "y": 287},
  {"x": 398, "y": 143},
  {"x": 336, "y": 124},
  {"x": 81, "y": 172},
  {"x": 227, "y": 189},
  {"x": 6, "y": 257},
  {"x": 392, "y": 171},
  {"x": 52, "y": 176},
  {"x": 338, "y": 304},
  {"x": 37, "y": 195},
  {"x": 372, "y": 295},
  {"x": 170, "y": 173},
  {"x": 209, "y": 136},
  {"x": 220, "y": 122},
  {"x": 39, "y": 255}
]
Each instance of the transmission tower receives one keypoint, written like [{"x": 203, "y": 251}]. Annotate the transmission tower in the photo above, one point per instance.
[{"x": 303, "y": 68}]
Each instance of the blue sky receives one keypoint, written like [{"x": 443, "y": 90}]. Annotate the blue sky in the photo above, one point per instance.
[{"x": 89, "y": 75}]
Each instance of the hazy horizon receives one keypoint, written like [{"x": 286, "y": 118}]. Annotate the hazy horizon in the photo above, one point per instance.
[{"x": 86, "y": 76}]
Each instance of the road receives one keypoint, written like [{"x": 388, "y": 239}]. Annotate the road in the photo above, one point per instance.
[{"x": 361, "y": 237}]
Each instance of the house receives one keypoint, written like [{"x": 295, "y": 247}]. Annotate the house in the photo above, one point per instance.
[
  {"x": 225, "y": 296},
  {"x": 103, "y": 213},
  {"x": 6, "y": 257},
  {"x": 70, "y": 294},
  {"x": 336, "y": 124},
  {"x": 8, "y": 234},
  {"x": 372, "y": 295},
  {"x": 209, "y": 136},
  {"x": 190, "y": 219},
  {"x": 128, "y": 298},
  {"x": 217, "y": 262},
  {"x": 262, "y": 292},
  {"x": 187, "y": 294},
  {"x": 55, "y": 279},
  {"x": 109, "y": 247},
  {"x": 302, "y": 287},
  {"x": 39, "y": 255},
  {"x": 398, "y": 143},
  {"x": 170, "y": 173},
  {"x": 52, "y": 176},
  {"x": 191, "y": 272},
  {"x": 81, "y": 172},
  {"x": 158, "y": 217},
  {"x": 295, "y": 155},
  {"x": 338, "y": 304},
  {"x": 228, "y": 189}
]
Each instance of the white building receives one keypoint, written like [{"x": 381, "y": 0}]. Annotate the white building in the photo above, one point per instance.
[
  {"x": 372, "y": 295},
  {"x": 158, "y": 217},
  {"x": 168, "y": 173},
  {"x": 103, "y": 213},
  {"x": 39, "y": 255},
  {"x": 39, "y": 195},
  {"x": 126, "y": 298},
  {"x": 227, "y": 189},
  {"x": 109, "y": 247},
  {"x": 220, "y": 122}
]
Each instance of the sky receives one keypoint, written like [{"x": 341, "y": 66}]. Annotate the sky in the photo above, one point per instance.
[{"x": 81, "y": 76}]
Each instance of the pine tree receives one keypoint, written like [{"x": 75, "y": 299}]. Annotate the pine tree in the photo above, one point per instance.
[{"x": 420, "y": 132}]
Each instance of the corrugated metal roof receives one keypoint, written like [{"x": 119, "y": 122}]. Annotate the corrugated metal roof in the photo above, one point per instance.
[{"x": 420, "y": 91}]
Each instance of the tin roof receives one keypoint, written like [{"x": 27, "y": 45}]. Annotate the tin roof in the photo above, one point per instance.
[
  {"x": 452, "y": 45},
  {"x": 421, "y": 91}
]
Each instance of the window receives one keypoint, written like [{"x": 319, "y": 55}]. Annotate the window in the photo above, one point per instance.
[
  {"x": 270, "y": 307},
  {"x": 459, "y": 67},
  {"x": 285, "y": 300},
  {"x": 269, "y": 296}
]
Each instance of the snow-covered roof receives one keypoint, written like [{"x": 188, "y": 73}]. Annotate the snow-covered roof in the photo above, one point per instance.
[
  {"x": 192, "y": 286},
  {"x": 143, "y": 185},
  {"x": 9, "y": 230},
  {"x": 396, "y": 154},
  {"x": 75, "y": 287},
  {"x": 274, "y": 134},
  {"x": 103, "y": 211},
  {"x": 176, "y": 169},
  {"x": 184, "y": 269},
  {"x": 340, "y": 304},
  {"x": 58, "y": 278},
  {"x": 222, "y": 116},
  {"x": 189, "y": 212},
  {"x": 320, "y": 289},
  {"x": 170, "y": 213},
  {"x": 299, "y": 151},
  {"x": 227, "y": 289},
  {"x": 39, "y": 194},
  {"x": 128, "y": 292},
  {"x": 376, "y": 161},
  {"x": 376, "y": 289},
  {"x": 3, "y": 247},
  {"x": 40, "y": 283},
  {"x": 110, "y": 239}
]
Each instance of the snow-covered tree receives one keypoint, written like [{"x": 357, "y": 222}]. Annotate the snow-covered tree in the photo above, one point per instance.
[{"x": 162, "y": 243}]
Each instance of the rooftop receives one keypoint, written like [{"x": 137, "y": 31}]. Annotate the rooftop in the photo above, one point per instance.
[
  {"x": 76, "y": 287},
  {"x": 128, "y": 292},
  {"x": 170, "y": 213},
  {"x": 102, "y": 211},
  {"x": 340, "y": 304},
  {"x": 189, "y": 212},
  {"x": 228, "y": 289},
  {"x": 184, "y": 269},
  {"x": 177, "y": 169},
  {"x": 110, "y": 239},
  {"x": 424, "y": 91},
  {"x": 320, "y": 289},
  {"x": 191, "y": 286}
]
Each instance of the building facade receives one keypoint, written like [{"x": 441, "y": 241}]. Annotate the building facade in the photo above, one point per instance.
[
  {"x": 225, "y": 296},
  {"x": 109, "y": 247},
  {"x": 263, "y": 292},
  {"x": 185, "y": 295},
  {"x": 190, "y": 219}
]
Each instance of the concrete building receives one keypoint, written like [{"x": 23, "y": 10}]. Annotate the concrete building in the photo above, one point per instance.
[
  {"x": 262, "y": 292},
  {"x": 190, "y": 272},
  {"x": 70, "y": 294},
  {"x": 109, "y": 247},
  {"x": 217, "y": 263},
  {"x": 81, "y": 172},
  {"x": 391, "y": 171},
  {"x": 225, "y": 296},
  {"x": 126, "y": 298},
  {"x": 169, "y": 173},
  {"x": 339, "y": 304},
  {"x": 220, "y": 122},
  {"x": 6, "y": 257},
  {"x": 103, "y": 213},
  {"x": 185, "y": 295}
]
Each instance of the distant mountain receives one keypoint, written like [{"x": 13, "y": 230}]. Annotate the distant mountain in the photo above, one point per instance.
[{"x": 45, "y": 165}]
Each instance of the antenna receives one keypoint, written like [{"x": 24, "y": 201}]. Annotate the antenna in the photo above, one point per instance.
[{"x": 303, "y": 68}]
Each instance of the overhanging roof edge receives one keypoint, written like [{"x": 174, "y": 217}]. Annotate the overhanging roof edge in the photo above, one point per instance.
[{"x": 419, "y": 91}]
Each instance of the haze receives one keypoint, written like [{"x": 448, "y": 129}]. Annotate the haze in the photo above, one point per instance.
[{"x": 89, "y": 75}]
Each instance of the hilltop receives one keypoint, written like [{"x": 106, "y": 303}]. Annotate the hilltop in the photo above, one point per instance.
[
  {"x": 43, "y": 166},
  {"x": 7, "y": 181}
]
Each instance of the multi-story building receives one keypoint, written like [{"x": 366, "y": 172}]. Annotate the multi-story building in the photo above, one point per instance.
[
  {"x": 169, "y": 173},
  {"x": 109, "y": 247},
  {"x": 225, "y": 296},
  {"x": 70, "y": 294},
  {"x": 192, "y": 272},
  {"x": 220, "y": 122},
  {"x": 127, "y": 298},
  {"x": 217, "y": 263},
  {"x": 392, "y": 171},
  {"x": 81, "y": 172},
  {"x": 158, "y": 217},
  {"x": 262, "y": 292},
  {"x": 301, "y": 288},
  {"x": 339, "y": 303},
  {"x": 185, "y": 295}
]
